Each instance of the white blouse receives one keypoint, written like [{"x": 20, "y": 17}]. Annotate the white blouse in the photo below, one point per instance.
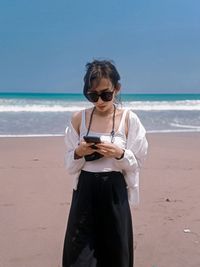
[{"x": 135, "y": 146}]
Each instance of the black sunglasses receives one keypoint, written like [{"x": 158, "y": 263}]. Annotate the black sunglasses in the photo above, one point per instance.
[{"x": 105, "y": 96}]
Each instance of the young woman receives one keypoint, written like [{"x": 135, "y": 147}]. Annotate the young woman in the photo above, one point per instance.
[{"x": 106, "y": 174}]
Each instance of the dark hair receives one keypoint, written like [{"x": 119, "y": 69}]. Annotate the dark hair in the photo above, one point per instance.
[{"x": 97, "y": 70}]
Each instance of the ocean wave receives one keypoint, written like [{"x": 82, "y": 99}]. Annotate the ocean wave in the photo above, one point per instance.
[
  {"x": 174, "y": 131},
  {"x": 62, "y": 135},
  {"x": 75, "y": 106},
  {"x": 40, "y": 108},
  {"x": 164, "y": 105},
  {"x": 185, "y": 126}
]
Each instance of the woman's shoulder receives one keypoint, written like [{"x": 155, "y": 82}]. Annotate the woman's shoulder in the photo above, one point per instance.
[
  {"x": 77, "y": 117},
  {"x": 130, "y": 114},
  {"x": 76, "y": 120},
  {"x": 132, "y": 119},
  {"x": 135, "y": 124}
]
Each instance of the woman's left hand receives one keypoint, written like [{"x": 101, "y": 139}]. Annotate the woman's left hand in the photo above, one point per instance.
[{"x": 109, "y": 150}]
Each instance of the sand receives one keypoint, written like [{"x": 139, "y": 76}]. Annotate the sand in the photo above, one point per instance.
[{"x": 35, "y": 195}]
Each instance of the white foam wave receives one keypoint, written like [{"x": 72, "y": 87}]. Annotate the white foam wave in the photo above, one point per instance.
[
  {"x": 75, "y": 106},
  {"x": 40, "y": 108},
  {"x": 175, "y": 131},
  {"x": 62, "y": 135},
  {"x": 185, "y": 126},
  {"x": 30, "y": 135},
  {"x": 164, "y": 105}
]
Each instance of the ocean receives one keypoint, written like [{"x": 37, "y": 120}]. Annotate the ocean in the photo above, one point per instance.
[{"x": 38, "y": 114}]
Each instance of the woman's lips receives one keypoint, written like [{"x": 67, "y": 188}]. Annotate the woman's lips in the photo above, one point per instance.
[{"x": 101, "y": 107}]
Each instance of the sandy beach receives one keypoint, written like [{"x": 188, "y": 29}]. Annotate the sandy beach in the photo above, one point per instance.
[{"x": 35, "y": 198}]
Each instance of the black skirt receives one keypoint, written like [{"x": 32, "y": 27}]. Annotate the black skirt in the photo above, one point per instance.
[{"x": 99, "y": 230}]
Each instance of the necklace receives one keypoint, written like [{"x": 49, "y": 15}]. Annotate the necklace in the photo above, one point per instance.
[{"x": 112, "y": 133}]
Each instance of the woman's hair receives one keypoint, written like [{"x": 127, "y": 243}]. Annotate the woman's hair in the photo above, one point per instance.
[{"x": 97, "y": 70}]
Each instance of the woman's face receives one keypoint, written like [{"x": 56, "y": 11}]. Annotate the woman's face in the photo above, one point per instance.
[{"x": 103, "y": 86}]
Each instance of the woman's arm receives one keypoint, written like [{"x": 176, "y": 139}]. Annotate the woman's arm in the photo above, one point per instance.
[
  {"x": 76, "y": 149},
  {"x": 72, "y": 164},
  {"x": 136, "y": 147}
]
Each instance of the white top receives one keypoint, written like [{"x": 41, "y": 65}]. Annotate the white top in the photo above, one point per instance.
[{"x": 135, "y": 146}]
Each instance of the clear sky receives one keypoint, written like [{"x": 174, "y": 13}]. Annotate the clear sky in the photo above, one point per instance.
[{"x": 45, "y": 44}]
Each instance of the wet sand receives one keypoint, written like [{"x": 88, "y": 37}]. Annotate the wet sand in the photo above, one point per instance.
[{"x": 35, "y": 198}]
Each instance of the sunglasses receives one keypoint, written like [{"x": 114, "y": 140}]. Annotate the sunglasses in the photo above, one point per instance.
[{"x": 105, "y": 96}]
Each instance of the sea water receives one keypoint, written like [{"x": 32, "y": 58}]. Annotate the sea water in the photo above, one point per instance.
[{"x": 49, "y": 114}]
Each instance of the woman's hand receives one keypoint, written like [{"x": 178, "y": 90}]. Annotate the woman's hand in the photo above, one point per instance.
[
  {"x": 83, "y": 149},
  {"x": 109, "y": 150}
]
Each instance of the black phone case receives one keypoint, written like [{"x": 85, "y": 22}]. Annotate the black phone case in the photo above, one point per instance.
[
  {"x": 93, "y": 156},
  {"x": 92, "y": 139}
]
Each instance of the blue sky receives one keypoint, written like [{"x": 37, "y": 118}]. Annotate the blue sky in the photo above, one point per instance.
[{"x": 45, "y": 44}]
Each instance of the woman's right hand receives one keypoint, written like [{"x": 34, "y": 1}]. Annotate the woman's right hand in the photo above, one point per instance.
[{"x": 84, "y": 149}]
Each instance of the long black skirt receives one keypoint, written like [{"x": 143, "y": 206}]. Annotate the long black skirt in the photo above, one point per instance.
[{"x": 99, "y": 230}]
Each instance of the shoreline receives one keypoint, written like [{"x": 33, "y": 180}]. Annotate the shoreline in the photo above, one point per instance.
[{"x": 62, "y": 135}]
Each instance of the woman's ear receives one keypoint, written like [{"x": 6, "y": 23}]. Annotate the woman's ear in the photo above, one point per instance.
[{"x": 118, "y": 87}]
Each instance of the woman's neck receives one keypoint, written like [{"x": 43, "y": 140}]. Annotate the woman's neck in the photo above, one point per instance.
[{"x": 105, "y": 113}]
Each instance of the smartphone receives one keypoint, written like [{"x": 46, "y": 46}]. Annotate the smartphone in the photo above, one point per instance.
[{"x": 92, "y": 139}]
